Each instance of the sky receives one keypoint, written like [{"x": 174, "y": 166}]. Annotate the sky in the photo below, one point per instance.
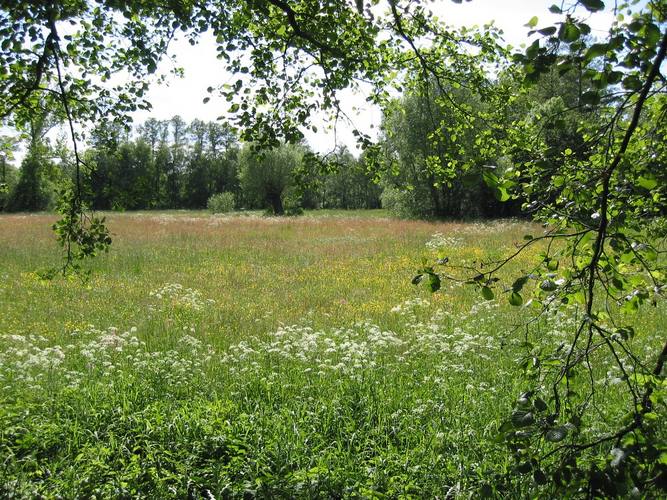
[{"x": 184, "y": 96}]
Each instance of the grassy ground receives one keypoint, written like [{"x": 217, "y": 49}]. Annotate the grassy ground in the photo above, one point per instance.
[{"x": 242, "y": 355}]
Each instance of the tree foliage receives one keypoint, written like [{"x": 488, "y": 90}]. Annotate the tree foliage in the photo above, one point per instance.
[
  {"x": 346, "y": 183},
  {"x": 436, "y": 157},
  {"x": 265, "y": 177},
  {"x": 162, "y": 167},
  {"x": 597, "y": 193}
]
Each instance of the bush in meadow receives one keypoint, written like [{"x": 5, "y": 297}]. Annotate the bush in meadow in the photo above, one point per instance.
[
  {"x": 221, "y": 203},
  {"x": 406, "y": 204}
]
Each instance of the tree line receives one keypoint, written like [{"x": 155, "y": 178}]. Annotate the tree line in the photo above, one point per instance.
[{"x": 172, "y": 164}]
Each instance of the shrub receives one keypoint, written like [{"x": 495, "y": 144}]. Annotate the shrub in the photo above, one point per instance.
[
  {"x": 292, "y": 201},
  {"x": 406, "y": 204},
  {"x": 221, "y": 203}
]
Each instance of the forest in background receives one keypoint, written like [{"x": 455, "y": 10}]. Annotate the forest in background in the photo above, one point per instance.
[{"x": 171, "y": 164}]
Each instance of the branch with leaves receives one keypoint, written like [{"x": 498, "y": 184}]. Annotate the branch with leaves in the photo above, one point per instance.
[{"x": 597, "y": 204}]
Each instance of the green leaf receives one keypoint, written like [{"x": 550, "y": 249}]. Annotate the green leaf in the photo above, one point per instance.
[
  {"x": 501, "y": 193},
  {"x": 519, "y": 283},
  {"x": 539, "y": 477},
  {"x": 632, "y": 82},
  {"x": 627, "y": 257},
  {"x": 540, "y": 405},
  {"x": 636, "y": 25},
  {"x": 522, "y": 418},
  {"x": 532, "y": 23},
  {"x": 490, "y": 179},
  {"x": 569, "y": 32},
  {"x": 593, "y": 5},
  {"x": 533, "y": 50},
  {"x": 487, "y": 293},
  {"x": 630, "y": 306},
  {"x": 590, "y": 97},
  {"x": 613, "y": 77},
  {"x": 506, "y": 427},
  {"x": 434, "y": 282},
  {"x": 617, "y": 283},
  {"x": 650, "y": 254},
  {"x": 556, "y": 434},
  {"x": 647, "y": 182},
  {"x": 652, "y": 34},
  {"x": 516, "y": 299},
  {"x": 555, "y": 9},
  {"x": 596, "y": 50},
  {"x": 551, "y": 30}
]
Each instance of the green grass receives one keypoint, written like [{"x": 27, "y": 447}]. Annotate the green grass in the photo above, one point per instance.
[{"x": 275, "y": 357}]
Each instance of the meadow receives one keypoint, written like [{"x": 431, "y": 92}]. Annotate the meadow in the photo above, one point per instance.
[{"x": 241, "y": 356}]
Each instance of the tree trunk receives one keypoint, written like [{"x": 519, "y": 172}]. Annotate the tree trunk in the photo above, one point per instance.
[{"x": 276, "y": 203}]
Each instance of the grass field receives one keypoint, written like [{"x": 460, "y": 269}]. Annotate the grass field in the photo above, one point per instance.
[{"x": 247, "y": 356}]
